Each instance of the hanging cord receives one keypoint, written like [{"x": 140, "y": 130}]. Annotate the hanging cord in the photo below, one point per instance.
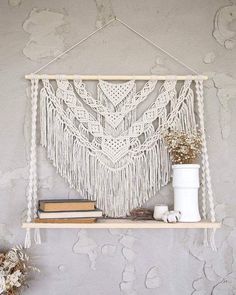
[
  {"x": 73, "y": 46},
  {"x": 157, "y": 46},
  {"x": 129, "y": 28}
]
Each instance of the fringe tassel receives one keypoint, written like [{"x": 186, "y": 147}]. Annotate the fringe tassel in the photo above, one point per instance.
[
  {"x": 28, "y": 239},
  {"x": 127, "y": 184},
  {"x": 212, "y": 240},
  {"x": 205, "y": 240},
  {"x": 37, "y": 237},
  {"x": 124, "y": 188}
]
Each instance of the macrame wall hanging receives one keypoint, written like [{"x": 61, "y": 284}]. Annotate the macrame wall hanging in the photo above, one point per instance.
[{"x": 101, "y": 143}]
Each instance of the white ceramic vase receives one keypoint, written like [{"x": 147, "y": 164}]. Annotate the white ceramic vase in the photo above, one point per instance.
[{"x": 186, "y": 185}]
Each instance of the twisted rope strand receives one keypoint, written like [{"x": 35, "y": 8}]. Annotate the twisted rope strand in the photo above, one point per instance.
[
  {"x": 205, "y": 160},
  {"x": 32, "y": 189},
  {"x": 203, "y": 168}
]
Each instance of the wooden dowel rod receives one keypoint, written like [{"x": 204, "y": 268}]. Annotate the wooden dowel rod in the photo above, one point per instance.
[{"x": 116, "y": 77}]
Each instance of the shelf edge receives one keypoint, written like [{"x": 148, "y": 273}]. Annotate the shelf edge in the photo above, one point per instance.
[{"x": 129, "y": 225}]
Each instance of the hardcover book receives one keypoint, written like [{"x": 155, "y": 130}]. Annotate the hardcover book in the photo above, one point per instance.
[
  {"x": 65, "y": 220},
  {"x": 66, "y": 205},
  {"x": 70, "y": 214}
]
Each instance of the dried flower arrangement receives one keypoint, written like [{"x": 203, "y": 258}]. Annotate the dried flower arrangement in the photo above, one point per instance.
[
  {"x": 184, "y": 147},
  {"x": 14, "y": 270}
]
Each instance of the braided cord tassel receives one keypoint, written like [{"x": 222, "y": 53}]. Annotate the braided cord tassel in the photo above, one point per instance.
[
  {"x": 206, "y": 177},
  {"x": 32, "y": 189}
]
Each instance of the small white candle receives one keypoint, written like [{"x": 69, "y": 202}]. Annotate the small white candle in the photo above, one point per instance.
[{"x": 159, "y": 210}]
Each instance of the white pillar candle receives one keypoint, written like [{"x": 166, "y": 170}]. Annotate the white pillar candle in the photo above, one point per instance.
[{"x": 159, "y": 210}]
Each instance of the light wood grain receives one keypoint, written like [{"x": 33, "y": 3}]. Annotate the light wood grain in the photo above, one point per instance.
[
  {"x": 116, "y": 77},
  {"x": 125, "y": 223}
]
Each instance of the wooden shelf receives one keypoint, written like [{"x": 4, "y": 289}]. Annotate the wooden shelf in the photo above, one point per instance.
[{"x": 126, "y": 223}]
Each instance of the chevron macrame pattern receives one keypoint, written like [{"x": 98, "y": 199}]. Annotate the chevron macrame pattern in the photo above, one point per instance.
[{"x": 100, "y": 144}]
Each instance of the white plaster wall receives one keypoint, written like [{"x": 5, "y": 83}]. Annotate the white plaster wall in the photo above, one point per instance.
[{"x": 203, "y": 34}]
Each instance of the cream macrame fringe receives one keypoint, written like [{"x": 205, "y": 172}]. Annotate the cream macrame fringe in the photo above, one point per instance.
[
  {"x": 37, "y": 237},
  {"x": 116, "y": 191},
  {"x": 119, "y": 189}
]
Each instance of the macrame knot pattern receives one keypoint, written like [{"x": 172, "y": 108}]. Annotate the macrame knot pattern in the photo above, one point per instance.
[{"x": 109, "y": 145}]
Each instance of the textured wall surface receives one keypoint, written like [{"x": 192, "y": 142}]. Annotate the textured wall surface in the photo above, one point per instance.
[{"x": 203, "y": 34}]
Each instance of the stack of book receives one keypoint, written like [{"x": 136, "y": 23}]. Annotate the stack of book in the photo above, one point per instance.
[{"x": 67, "y": 211}]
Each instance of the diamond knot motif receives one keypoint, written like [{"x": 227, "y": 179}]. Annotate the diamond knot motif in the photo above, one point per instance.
[
  {"x": 114, "y": 119},
  {"x": 116, "y": 92},
  {"x": 115, "y": 148}
]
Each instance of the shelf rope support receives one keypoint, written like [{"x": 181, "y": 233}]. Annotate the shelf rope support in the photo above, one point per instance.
[
  {"x": 206, "y": 177},
  {"x": 32, "y": 188}
]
